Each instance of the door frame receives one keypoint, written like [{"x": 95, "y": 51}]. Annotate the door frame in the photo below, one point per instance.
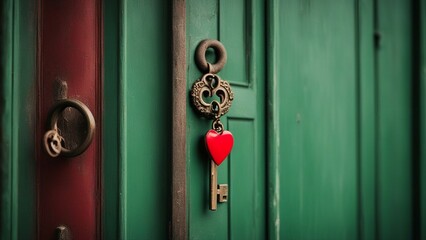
[{"x": 179, "y": 220}]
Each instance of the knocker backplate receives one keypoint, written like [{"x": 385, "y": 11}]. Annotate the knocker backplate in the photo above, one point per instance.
[{"x": 210, "y": 85}]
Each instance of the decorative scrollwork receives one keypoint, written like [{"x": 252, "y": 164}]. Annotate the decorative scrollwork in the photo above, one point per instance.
[
  {"x": 210, "y": 84},
  {"x": 207, "y": 86}
]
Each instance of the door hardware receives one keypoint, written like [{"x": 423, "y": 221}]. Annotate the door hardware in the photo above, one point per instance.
[
  {"x": 63, "y": 233},
  {"x": 54, "y": 143},
  {"x": 218, "y": 141}
]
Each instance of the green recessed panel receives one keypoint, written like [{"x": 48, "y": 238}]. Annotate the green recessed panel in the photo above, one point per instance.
[{"x": 318, "y": 151}]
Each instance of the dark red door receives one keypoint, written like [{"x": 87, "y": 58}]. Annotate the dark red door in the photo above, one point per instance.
[{"x": 70, "y": 51}]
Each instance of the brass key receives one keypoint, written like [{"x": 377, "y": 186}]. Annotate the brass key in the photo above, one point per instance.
[{"x": 215, "y": 190}]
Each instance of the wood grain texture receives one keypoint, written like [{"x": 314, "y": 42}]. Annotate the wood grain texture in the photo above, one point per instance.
[
  {"x": 272, "y": 121},
  {"x": 394, "y": 138},
  {"x": 145, "y": 113},
  {"x": 318, "y": 107},
  {"x": 366, "y": 119},
  {"x": 179, "y": 219},
  {"x": 70, "y": 46}
]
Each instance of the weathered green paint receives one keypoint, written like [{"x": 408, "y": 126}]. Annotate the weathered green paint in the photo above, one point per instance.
[
  {"x": 318, "y": 120},
  {"x": 239, "y": 25},
  {"x": 366, "y": 119},
  {"x": 144, "y": 114},
  {"x": 338, "y": 153},
  {"x": 393, "y": 96},
  {"x": 18, "y": 113},
  {"x": 272, "y": 122},
  {"x": 344, "y": 109},
  {"x": 336, "y": 138}
]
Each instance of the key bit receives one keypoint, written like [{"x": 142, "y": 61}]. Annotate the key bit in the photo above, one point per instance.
[{"x": 216, "y": 190}]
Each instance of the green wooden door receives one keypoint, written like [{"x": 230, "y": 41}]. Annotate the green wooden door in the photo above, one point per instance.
[
  {"x": 322, "y": 120},
  {"x": 329, "y": 106},
  {"x": 345, "y": 120},
  {"x": 239, "y": 26},
  {"x": 137, "y": 126},
  {"x": 318, "y": 119}
]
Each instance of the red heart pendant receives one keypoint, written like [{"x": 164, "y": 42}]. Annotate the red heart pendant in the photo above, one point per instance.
[{"x": 219, "y": 145}]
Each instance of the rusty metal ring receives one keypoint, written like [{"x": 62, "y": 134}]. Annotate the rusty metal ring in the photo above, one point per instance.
[
  {"x": 90, "y": 124},
  {"x": 200, "y": 56}
]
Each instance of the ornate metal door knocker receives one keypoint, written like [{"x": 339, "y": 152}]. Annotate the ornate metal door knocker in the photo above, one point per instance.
[{"x": 218, "y": 141}]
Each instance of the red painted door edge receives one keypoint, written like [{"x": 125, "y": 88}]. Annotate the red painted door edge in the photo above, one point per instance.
[{"x": 69, "y": 49}]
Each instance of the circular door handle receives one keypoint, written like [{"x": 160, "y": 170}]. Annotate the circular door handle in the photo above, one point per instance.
[{"x": 54, "y": 142}]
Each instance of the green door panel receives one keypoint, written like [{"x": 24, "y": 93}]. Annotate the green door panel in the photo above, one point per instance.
[
  {"x": 394, "y": 93},
  {"x": 145, "y": 129},
  {"x": 18, "y": 113},
  {"x": 138, "y": 84},
  {"x": 339, "y": 151},
  {"x": 317, "y": 84},
  {"x": 239, "y": 26},
  {"x": 366, "y": 120},
  {"x": 345, "y": 120}
]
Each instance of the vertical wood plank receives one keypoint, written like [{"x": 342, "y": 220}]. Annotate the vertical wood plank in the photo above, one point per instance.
[
  {"x": 179, "y": 222},
  {"x": 111, "y": 167},
  {"x": 6, "y": 120},
  {"x": 394, "y": 119},
  {"x": 366, "y": 118},
  {"x": 17, "y": 122},
  {"x": 272, "y": 121},
  {"x": 416, "y": 112},
  {"x": 69, "y": 50},
  {"x": 122, "y": 119},
  {"x": 318, "y": 107},
  {"x": 145, "y": 113},
  {"x": 24, "y": 118}
]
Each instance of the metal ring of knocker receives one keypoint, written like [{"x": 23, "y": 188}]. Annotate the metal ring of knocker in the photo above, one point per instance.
[
  {"x": 200, "y": 56},
  {"x": 55, "y": 148}
]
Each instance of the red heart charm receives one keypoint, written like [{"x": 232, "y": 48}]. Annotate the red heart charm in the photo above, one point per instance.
[{"x": 219, "y": 145}]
